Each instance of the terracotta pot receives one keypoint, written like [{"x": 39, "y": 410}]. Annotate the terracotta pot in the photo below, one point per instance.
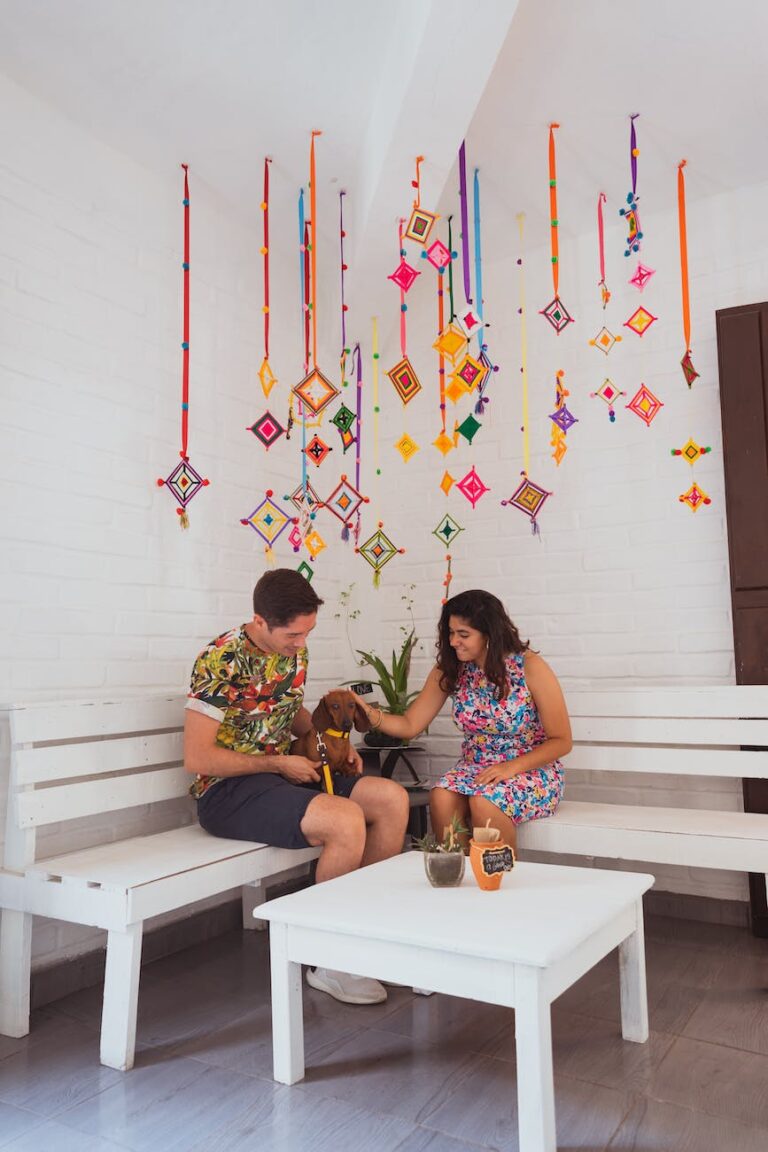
[
  {"x": 489, "y": 863},
  {"x": 444, "y": 869}
]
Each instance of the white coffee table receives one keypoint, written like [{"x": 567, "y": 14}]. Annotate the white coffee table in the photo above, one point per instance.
[{"x": 521, "y": 947}]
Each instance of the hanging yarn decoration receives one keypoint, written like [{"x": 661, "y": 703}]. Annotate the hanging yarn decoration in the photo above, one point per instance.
[
  {"x": 344, "y": 417},
  {"x": 378, "y": 550},
  {"x": 555, "y": 312},
  {"x": 359, "y": 428},
  {"x": 184, "y": 482},
  {"x": 605, "y": 294},
  {"x": 640, "y": 321},
  {"x": 641, "y": 276},
  {"x": 604, "y": 341},
  {"x": 464, "y": 221},
  {"x": 267, "y": 429},
  {"x": 608, "y": 392},
  {"x": 266, "y": 375},
  {"x": 695, "y": 497},
  {"x": 421, "y": 222},
  {"x": 562, "y": 419},
  {"x": 269, "y": 522},
  {"x": 344, "y": 503},
  {"x": 487, "y": 367},
  {"x": 446, "y": 532},
  {"x": 686, "y": 363},
  {"x": 403, "y": 376},
  {"x": 443, "y": 442},
  {"x": 645, "y": 405},
  {"x": 472, "y": 486},
  {"x": 630, "y": 213}
]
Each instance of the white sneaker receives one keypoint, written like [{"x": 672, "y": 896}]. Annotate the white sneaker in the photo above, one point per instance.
[{"x": 348, "y": 989}]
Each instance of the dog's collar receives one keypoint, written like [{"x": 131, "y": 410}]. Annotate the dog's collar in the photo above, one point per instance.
[{"x": 335, "y": 732}]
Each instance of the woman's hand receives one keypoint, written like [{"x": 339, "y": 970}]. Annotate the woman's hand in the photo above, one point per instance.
[{"x": 496, "y": 772}]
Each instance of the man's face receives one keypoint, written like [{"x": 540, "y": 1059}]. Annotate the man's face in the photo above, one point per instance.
[{"x": 287, "y": 639}]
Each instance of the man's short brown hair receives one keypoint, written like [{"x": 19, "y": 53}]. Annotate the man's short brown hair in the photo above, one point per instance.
[{"x": 283, "y": 594}]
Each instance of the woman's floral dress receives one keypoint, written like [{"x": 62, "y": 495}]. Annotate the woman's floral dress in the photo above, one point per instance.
[{"x": 497, "y": 730}]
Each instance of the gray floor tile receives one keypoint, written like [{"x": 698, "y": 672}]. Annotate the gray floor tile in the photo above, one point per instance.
[
  {"x": 735, "y": 1012},
  {"x": 54, "y": 1137},
  {"x": 652, "y": 1124},
  {"x": 713, "y": 1079},
  {"x": 56, "y": 1071},
  {"x": 16, "y": 1122},
  {"x": 426, "y": 1140},
  {"x": 444, "y": 1019}
]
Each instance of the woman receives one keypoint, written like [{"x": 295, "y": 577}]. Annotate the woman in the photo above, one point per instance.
[{"x": 510, "y": 707}]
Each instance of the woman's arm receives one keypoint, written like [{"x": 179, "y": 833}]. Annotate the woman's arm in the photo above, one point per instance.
[
  {"x": 550, "y": 704},
  {"x": 418, "y": 716}
]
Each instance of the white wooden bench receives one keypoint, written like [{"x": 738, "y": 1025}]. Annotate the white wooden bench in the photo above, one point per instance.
[
  {"x": 696, "y": 732},
  {"x": 78, "y": 759}
]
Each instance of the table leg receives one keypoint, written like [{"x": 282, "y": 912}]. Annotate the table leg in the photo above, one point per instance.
[
  {"x": 634, "y": 996},
  {"x": 287, "y": 1010},
  {"x": 535, "y": 1079}
]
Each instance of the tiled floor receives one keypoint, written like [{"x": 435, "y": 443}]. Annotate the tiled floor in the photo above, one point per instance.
[{"x": 417, "y": 1074}]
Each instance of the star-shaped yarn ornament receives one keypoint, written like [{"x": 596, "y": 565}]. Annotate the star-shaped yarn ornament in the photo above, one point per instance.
[
  {"x": 695, "y": 497},
  {"x": 691, "y": 451},
  {"x": 557, "y": 314},
  {"x": 267, "y": 377},
  {"x": 184, "y": 483},
  {"x": 345, "y": 500},
  {"x": 608, "y": 393},
  {"x": 451, "y": 342},
  {"x": 378, "y": 550},
  {"x": 316, "y": 391},
  {"x": 604, "y": 341},
  {"x": 405, "y": 380},
  {"x": 530, "y": 499},
  {"x": 469, "y": 427},
  {"x": 267, "y": 429},
  {"x": 438, "y": 255},
  {"x": 689, "y": 371},
  {"x": 268, "y": 520},
  {"x": 563, "y": 418},
  {"x": 447, "y": 482},
  {"x": 444, "y": 443},
  {"x": 640, "y": 321},
  {"x": 447, "y": 530},
  {"x": 407, "y": 447},
  {"x": 420, "y": 225},
  {"x": 317, "y": 450},
  {"x": 472, "y": 486},
  {"x": 645, "y": 405},
  {"x": 404, "y": 275},
  {"x": 470, "y": 372},
  {"x": 641, "y": 276},
  {"x": 303, "y": 498}
]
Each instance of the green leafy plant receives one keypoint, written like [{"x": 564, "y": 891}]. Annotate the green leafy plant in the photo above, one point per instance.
[
  {"x": 392, "y": 678},
  {"x": 451, "y": 841}
]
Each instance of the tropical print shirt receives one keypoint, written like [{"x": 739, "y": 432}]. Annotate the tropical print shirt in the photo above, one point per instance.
[{"x": 254, "y": 695}]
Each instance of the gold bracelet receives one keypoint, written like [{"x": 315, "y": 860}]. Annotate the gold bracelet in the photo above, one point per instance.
[{"x": 375, "y": 727}]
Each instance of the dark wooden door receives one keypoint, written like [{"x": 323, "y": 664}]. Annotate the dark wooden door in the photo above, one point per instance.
[{"x": 742, "y": 350}]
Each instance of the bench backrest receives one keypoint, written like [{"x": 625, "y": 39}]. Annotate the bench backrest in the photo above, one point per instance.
[
  {"x": 87, "y": 758},
  {"x": 703, "y": 731}
]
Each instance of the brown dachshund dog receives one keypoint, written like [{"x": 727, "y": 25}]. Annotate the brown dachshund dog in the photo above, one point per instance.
[{"x": 335, "y": 716}]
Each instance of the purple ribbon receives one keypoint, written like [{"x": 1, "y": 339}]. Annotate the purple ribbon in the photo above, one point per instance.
[
  {"x": 464, "y": 221},
  {"x": 633, "y": 150}
]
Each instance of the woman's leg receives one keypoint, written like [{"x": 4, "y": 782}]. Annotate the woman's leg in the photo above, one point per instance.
[
  {"x": 485, "y": 812},
  {"x": 443, "y": 806}
]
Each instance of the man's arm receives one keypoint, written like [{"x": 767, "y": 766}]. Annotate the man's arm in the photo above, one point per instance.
[
  {"x": 203, "y": 756},
  {"x": 302, "y": 722}
]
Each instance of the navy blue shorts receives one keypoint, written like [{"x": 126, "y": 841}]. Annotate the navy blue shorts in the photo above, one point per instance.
[{"x": 264, "y": 807}]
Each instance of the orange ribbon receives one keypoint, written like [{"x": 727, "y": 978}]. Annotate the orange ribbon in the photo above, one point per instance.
[
  {"x": 683, "y": 254},
  {"x": 553, "y": 206}
]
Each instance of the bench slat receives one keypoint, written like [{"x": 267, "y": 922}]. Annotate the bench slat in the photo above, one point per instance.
[
  {"x": 50, "y": 805},
  {"x": 668, "y": 730},
  {"x": 668, "y": 761},
  {"x": 708, "y": 701},
  {"x": 78, "y": 719},
  {"x": 95, "y": 757}
]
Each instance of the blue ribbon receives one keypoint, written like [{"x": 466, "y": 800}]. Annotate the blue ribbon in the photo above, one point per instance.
[{"x": 478, "y": 258}]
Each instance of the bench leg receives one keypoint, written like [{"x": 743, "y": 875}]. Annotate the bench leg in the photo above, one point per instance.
[
  {"x": 15, "y": 955},
  {"x": 254, "y": 894},
  {"x": 121, "y": 998},
  {"x": 535, "y": 1077},
  {"x": 634, "y": 996},
  {"x": 287, "y": 1010}
]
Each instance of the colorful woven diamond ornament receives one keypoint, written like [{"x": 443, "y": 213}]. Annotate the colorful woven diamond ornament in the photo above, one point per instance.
[
  {"x": 406, "y": 447},
  {"x": 184, "y": 483},
  {"x": 447, "y": 482},
  {"x": 530, "y": 499},
  {"x": 316, "y": 391},
  {"x": 447, "y": 530},
  {"x": 694, "y": 498},
  {"x": 317, "y": 450},
  {"x": 691, "y": 451},
  {"x": 608, "y": 392},
  {"x": 640, "y": 321},
  {"x": 404, "y": 275},
  {"x": 604, "y": 341},
  {"x": 451, "y": 342},
  {"x": 455, "y": 389},
  {"x": 305, "y": 571},
  {"x": 557, "y": 314},
  {"x": 314, "y": 543},
  {"x": 304, "y": 496},
  {"x": 438, "y": 255},
  {"x": 561, "y": 418},
  {"x": 645, "y": 405},
  {"x": 469, "y": 428},
  {"x": 294, "y": 537},
  {"x": 344, "y": 502},
  {"x": 472, "y": 486},
  {"x": 470, "y": 371},
  {"x": 267, "y": 429},
  {"x": 378, "y": 550},
  {"x": 267, "y": 377},
  {"x": 405, "y": 380},
  {"x": 269, "y": 522},
  {"x": 470, "y": 322},
  {"x": 344, "y": 419},
  {"x": 632, "y": 220},
  {"x": 641, "y": 276},
  {"x": 689, "y": 371},
  {"x": 444, "y": 443},
  {"x": 420, "y": 225}
]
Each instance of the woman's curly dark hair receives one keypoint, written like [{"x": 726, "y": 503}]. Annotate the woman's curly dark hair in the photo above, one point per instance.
[{"x": 486, "y": 613}]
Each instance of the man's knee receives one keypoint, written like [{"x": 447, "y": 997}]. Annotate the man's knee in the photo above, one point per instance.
[
  {"x": 381, "y": 799},
  {"x": 333, "y": 818}
]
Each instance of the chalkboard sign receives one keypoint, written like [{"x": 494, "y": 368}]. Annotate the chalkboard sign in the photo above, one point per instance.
[
  {"x": 362, "y": 688},
  {"x": 497, "y": 860}
]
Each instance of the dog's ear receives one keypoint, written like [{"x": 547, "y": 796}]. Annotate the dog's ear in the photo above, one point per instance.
[
  {"x": 321, "y": 717},
  {"x": 362, "y": 723}
]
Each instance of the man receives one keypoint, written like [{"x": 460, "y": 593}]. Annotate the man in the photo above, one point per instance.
[{"x": 245, "y": 705}]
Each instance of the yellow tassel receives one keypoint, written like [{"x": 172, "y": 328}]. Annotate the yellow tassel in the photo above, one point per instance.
[
  {"x": 376, "y": 578},
  {"x": 184, "y": 520},
  {"x": 270, "y": 555}
]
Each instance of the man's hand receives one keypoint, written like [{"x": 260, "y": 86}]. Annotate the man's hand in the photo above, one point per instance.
[
  {"x": 299, "y": 770},
  {"x": 355, "y": 762}
]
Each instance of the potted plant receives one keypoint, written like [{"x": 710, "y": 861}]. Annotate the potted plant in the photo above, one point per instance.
[{"x": 444, "y": 859}]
